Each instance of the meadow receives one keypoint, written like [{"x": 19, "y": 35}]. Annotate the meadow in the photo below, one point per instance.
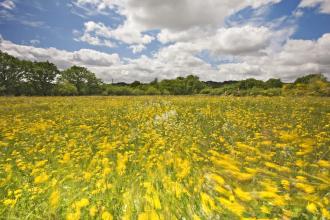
[{"x": 165, "y": 158}]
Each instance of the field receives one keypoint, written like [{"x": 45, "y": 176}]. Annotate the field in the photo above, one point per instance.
[{"x": 164, "y": 158}]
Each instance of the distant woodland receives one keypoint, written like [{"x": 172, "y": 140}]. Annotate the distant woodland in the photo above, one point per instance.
[{"x": 27, "y": 78}]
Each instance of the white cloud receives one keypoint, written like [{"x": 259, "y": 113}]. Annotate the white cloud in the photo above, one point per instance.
[
  {"x": 8, "y": 4},
  {"x": 179, "y": 59},
  {"x": 184, "y": 14},
  {"x": 32, "y": 23},
  {"x": 240, "y": 40},
  {"x": 235, "y": 71},
  {"x": 167, "y": 36},
  {"x": 62, "y": 58},
  {"x": 99, "y": 34},
  {"x": 296, "y": 58},
  {"x": 93, "y": 7},
  {"x": 324, "y": 5},
  {"x": 94, "y": 40},
  {"x": 226, "y": 41},
  {"x": 176, "y": 20},
  {"x": 35, "y": 42},
  {"x": 187, "y": 29},
  {"x": 137, "y": 48}
]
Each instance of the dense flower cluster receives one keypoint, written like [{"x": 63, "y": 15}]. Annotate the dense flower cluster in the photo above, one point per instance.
[{"x": 164, "y": 158}]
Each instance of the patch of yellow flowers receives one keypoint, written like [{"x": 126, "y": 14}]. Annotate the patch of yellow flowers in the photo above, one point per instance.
[{"x": 150, "y": 158}]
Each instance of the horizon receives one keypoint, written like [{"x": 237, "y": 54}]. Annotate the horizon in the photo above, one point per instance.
[{"x": 128, "y": 40}]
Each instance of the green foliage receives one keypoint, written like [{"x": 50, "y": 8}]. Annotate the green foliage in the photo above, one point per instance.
[
  {"x": 182, "y": 85},
  {"x": 251, "y": 83},
  {"x": 310, "y": 85},
  {"x": 84, "y": 80},
  {"x": 152, "y": 91},
  {"x": 66, "y": 88},
  {"x": 41, "y": 76},
  {"x": 272, "y": 92},
  {"x": 11, "y": 75},
  {"x": 19, "y": 77},
  {"x": 273, "y": 83},
  {"x": 120, "y": 90},
  {"x": 310, "y": 78}
]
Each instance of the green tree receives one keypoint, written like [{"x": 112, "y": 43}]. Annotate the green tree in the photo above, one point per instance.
[
  {"x": 250, "y": 83},
  {"x": 135, "y": 84},
  {"x": 182, "y": 85},
  {"x": 66, "y": 88},
  {"x": 152, "y": 91},
  {"x": 309, "y": 78},
  {"x": 84, "y": 80},
  {"x": 11, "y": 74},
  {"x": 274, "y": 83},
  {"x": 193, "y": 84},
  {"x": 41, "y": 76}
]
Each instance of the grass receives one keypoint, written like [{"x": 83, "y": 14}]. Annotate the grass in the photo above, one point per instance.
[{"x": 164, "y": 158}]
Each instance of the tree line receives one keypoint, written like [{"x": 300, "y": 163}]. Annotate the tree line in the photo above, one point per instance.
[{"x": 22, "y": 77}]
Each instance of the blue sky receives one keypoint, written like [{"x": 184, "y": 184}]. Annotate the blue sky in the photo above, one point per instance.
[{"x": 129, "y": 40}]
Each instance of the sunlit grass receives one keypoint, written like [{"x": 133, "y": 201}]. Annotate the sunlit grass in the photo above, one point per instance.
[{"x": 164, "y": 158}]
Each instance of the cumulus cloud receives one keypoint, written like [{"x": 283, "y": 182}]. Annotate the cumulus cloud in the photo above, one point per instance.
[
  {"x": 240, "y": 40},
  {"x": 174, "y": 19},
  {"x": 62, "y": 58},
  {"x": 35, "y": 42},
  {"x": 99, "y": 34},
  {"x": 227, "y": 41},
  {"x": 254, "y": 49},
  {"x": 177, "y": 15},
  {"x": 324, "y": 5},
  {"x": 179, "y": 59},
  {"x": 170, "y": 36},
  {"x": 92, "y": 7},
  {"x": 293, "y": 61},
  {"x": 137, "y": 48},
  {"x": 244, "y": 70},
  {"x": 8, "y": 4}
]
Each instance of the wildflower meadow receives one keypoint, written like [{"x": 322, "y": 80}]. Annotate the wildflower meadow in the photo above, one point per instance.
[{"x": 184, "y": 157}]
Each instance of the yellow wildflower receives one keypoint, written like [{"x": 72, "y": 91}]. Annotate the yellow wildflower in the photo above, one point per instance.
[
  {"x": 265, "y": 209},
  {"x": 43, "y": 177},
  {"x": 245, "y": 196},
  {"x": 82, "y": 203},
  {"x": 106, "y": 216},
  {"x": 305, "y": 187},
  {"x": 54, "y": 199},
  {"x": 9, "y": 202},
  {"x": 232, "y": 206},
  {"x": 325, "y": 213},
  {"x": 143, "y": 216},
  {"x": 285, "y": 184},
  {"x": 208, "y": 203},
  {"x": 73, "y": 216},
  {"x": 312, "y": 208},
  {"x": 92, "y": 211},
  {"x": 324, "y": 163},
  {"x": 217, "y": 178},
  {"x": 121, "y": 163}
]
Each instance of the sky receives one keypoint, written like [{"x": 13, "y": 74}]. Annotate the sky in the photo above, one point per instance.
[{"x": 128, "y": 40}]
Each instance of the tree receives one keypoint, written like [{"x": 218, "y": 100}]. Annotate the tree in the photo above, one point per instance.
[
  {"x": 152, "y": 91},
  {"x": 193, "y": 85},
  {"x": 182, "y": 85},
  {"x": 66, "y": 88},
  {"x": 41, "y": 76},
  {"x": 250, "y": 83},
  {"x": 11, "y": 74},
  {"x": 274, "y": 83},
  {"x": 84, "y": 80},
  {"x": 135, "y": 84},
  {"x": 309, "y": 78}
]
